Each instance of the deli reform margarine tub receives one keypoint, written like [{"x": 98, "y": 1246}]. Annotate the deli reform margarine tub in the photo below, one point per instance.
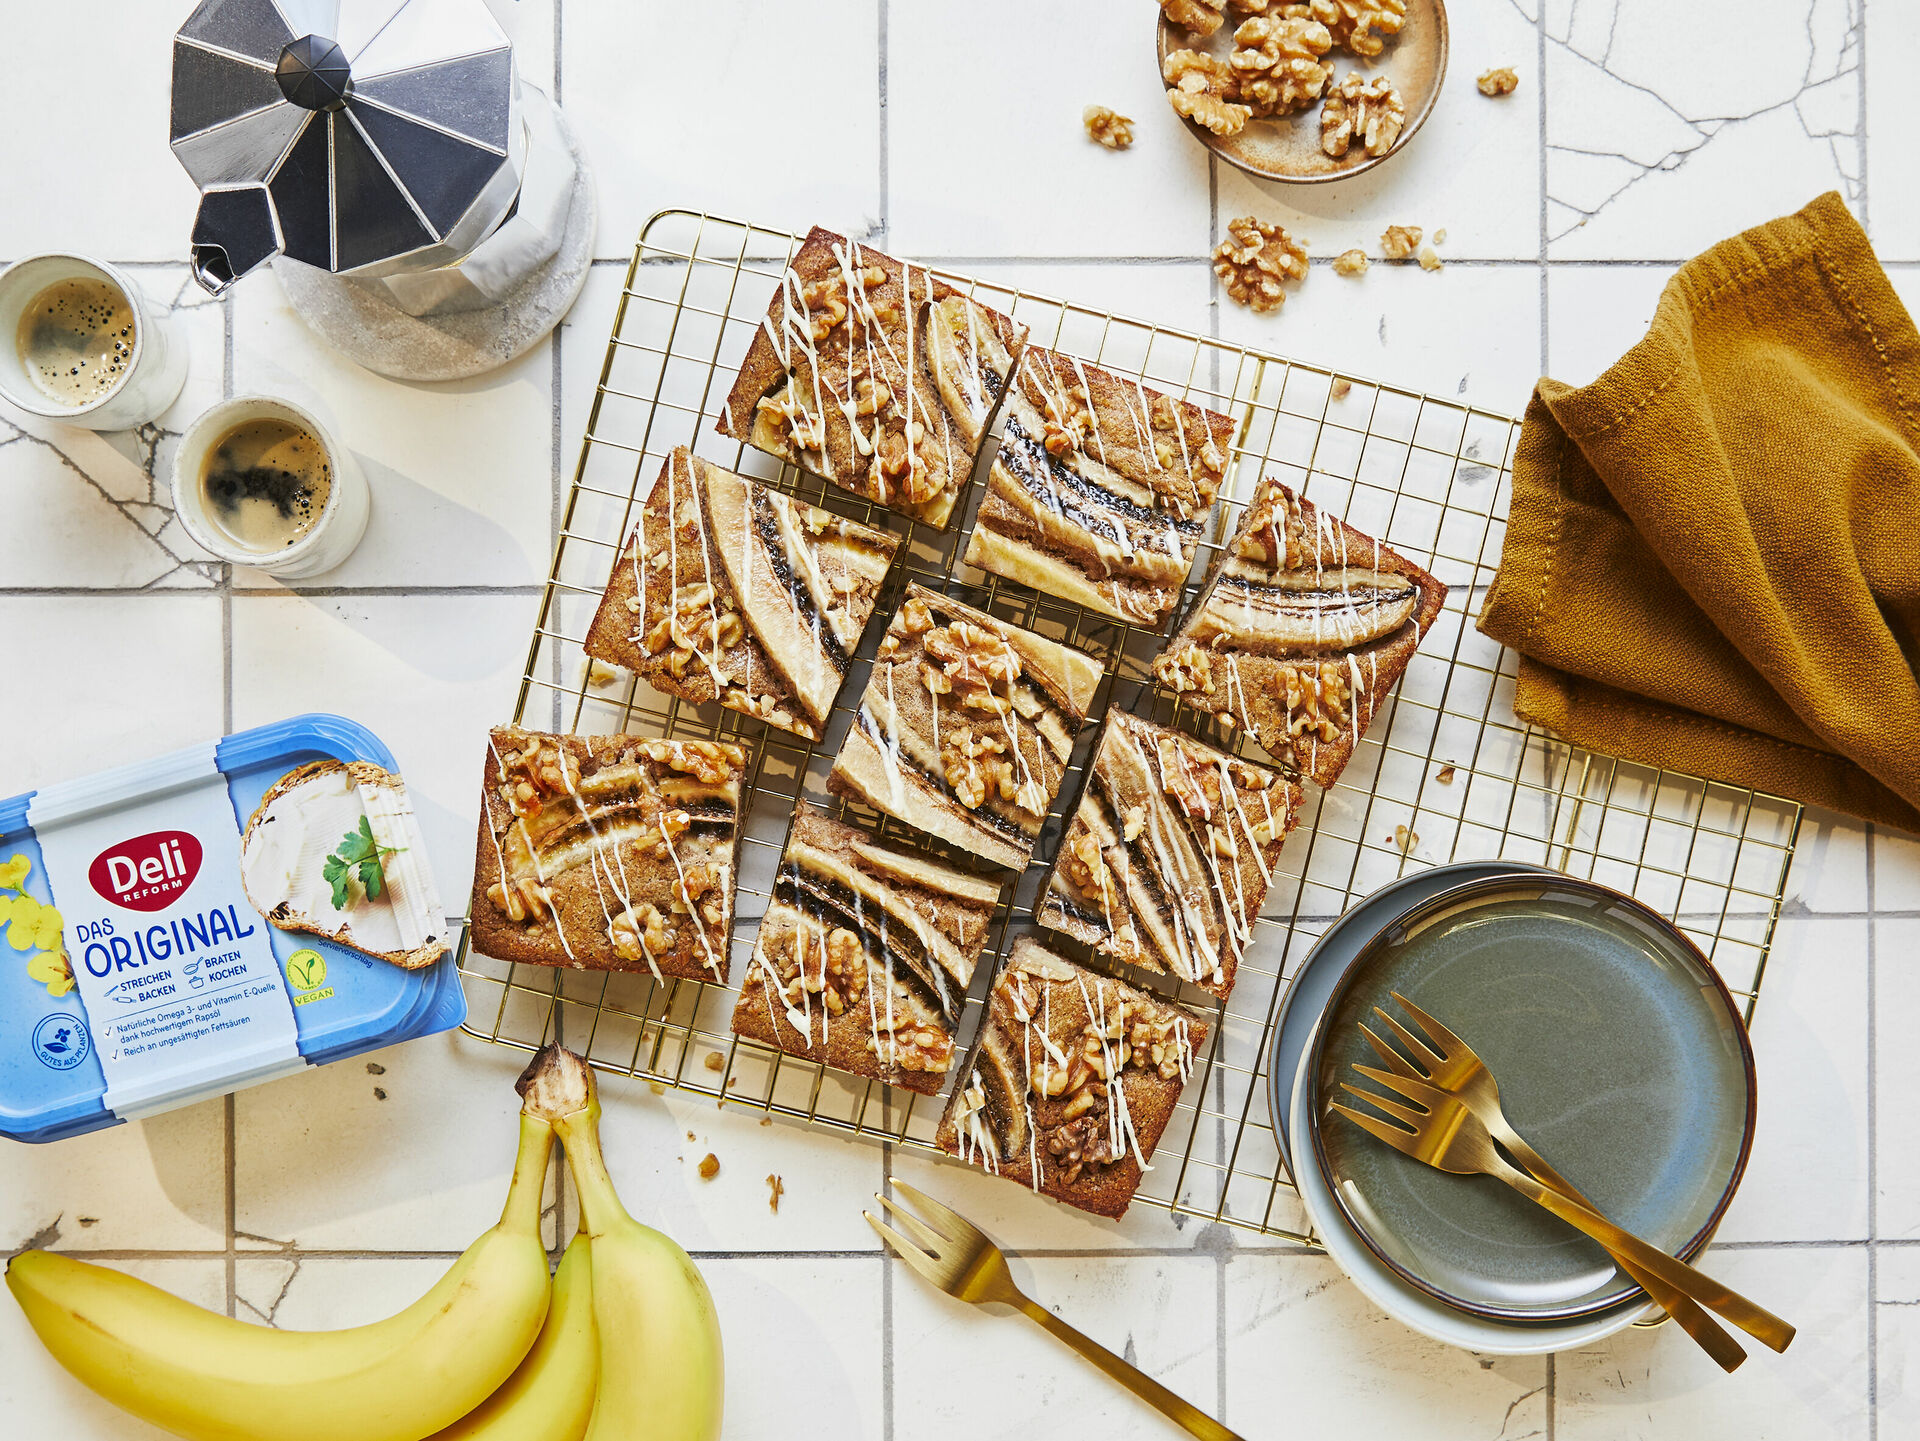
[{"x": 135, "y": 973}]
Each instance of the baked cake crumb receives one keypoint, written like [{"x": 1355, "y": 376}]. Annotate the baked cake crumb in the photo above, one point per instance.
[
  {"x": 776, "y": 1188},
  {"x": 716, "y": 1061},
  {"x": 709, "y": 1166},
  {"x": 1341, "y": 387}
]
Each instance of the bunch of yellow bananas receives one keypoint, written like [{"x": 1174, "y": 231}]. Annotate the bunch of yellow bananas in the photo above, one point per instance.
[{"x": 622, "y": 1344}]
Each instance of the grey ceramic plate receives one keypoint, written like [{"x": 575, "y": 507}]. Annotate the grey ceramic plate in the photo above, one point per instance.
[
  {"x": 1620, "y": 1056},
  {"x": 1320, "y": 973},
  {"x": 1288, "y": 148}
]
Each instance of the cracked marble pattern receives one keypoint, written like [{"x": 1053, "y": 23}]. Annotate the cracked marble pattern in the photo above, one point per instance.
[
  {"x": 1642, "y": 131},
  {"x": 1647, "y": 121}
]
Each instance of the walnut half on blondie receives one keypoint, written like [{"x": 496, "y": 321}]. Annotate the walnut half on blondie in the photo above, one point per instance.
[
  {"x": 1071, "y": 1082},
  {"x": 610, "y": 853},
  {"x": 875, "y": 376},
  {"x": 864, "y": 956}
]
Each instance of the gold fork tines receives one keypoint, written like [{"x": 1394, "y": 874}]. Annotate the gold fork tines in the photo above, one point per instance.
[
  {"x": 1446, "y": 1061},
  {"x": 1441, "y": 1131},
  {"x": 962, "y": 1260}
]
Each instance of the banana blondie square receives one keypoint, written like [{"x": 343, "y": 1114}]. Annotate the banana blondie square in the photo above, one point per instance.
[
  {"x": 1100, "y": 488},
  {"x": 1166, "y": 860},
  {"x": 865, "y": 954},
  {"x": 729, "y": 591},
  {"x": 966, "y": 727},
  {"x": 1071, "y": 1082},
  {"x": 611, "y": 853},
  {"x": 874, "y": 375},
  {"x": 1302, "y": 628}
]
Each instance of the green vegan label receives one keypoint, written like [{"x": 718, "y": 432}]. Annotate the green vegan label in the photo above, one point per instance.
[{"x": 307, "y": 973}]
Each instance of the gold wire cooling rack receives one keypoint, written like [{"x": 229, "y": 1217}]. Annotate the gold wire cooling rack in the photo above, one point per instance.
[{"x": 1446, "y": 772}]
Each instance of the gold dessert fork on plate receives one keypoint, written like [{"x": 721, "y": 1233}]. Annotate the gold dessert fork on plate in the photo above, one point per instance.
[
  {"x": 961, "y": 1259},
  {"x": 1442, "y": 1059},
  {"x": 1440, "y": 1130}
]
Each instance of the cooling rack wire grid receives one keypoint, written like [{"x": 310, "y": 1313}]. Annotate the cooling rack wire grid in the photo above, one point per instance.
[{"x": 1446, "y": 773}]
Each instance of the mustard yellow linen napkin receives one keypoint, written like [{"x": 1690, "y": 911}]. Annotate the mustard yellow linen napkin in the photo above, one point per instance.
[{"x": 1713, "y": 557}]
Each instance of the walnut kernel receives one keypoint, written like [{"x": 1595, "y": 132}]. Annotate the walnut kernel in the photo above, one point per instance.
[
  {"x": 1189, "y": 668},
  {"x": 1350, "y": 262},
  {"x": 1276, "y": 63},
  {"x": 1429, "y": 258},
  {"x": 1368, "y": 111},
  {"x": 1501, "y": 80},
  {"x": 1196, "y": 17},
  {"x": 1107, "y": 127},
  {"x": 1254, "y": 259},
  {"x": 1397, "y": 242},
  {"x": 1317, "y": 698},
  {"x": 1360, "y": 27},
  {"x": 1203, "y": 89}
]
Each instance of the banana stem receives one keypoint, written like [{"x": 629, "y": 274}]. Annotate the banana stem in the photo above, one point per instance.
[
  {"x": 600, "y": 1208},
  {"x": 522, "y": 1211}
]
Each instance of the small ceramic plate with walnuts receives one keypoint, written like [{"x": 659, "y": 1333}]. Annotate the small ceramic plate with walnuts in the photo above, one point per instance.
[{"x": 1303, "y": 90}]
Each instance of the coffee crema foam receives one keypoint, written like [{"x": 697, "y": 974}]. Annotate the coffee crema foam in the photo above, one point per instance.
[
  {"x": 265, "y": 483},
  {"x": 76, "y": 340}
]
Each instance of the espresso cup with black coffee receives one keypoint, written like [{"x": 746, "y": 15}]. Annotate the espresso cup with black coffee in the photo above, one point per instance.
[
  {"x": 260, "y": 481},
  {"x": 86, "y": 347}
]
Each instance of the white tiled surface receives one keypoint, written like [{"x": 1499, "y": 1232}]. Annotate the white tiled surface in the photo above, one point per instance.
[{"x": 947, "y": 131}]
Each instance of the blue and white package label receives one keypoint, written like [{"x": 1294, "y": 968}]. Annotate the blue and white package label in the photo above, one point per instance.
[{"x": 174, "y": 965}]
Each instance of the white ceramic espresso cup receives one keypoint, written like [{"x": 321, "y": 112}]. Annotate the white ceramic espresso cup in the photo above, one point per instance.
[
  {"x": 335, "y": 532},
  {"x": 152, "y": 378}
]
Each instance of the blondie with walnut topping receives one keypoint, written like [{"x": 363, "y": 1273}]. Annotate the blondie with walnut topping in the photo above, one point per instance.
[
  {"x": 864, "y": 956},
  {"x": 1303, "y": 626},
  {"x": 966, "y": 727},
  {"x": 1072, "y": 1081},
  {"x": 874, "y": 375},
  {"x": 1167, "y": 858},
  {"x": 732, "y": 592},
  {"x": 1100, "y": 488},
  {"x": 611, "y": 853}
]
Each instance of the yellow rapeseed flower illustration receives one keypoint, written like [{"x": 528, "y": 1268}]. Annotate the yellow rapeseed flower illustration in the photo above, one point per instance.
[
  {"x": 14, "y": 872},
  {"x": 33, "y": 926},
  {"x": 50, "y": 969}
]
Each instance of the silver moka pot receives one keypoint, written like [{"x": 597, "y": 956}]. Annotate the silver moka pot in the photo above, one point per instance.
[{"x": 424, "y": 207}]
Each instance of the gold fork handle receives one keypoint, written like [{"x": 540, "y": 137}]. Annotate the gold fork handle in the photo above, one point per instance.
[
  {"x": 1196, "y": 1421},
  {"x": 1755, "y": 1320},
  {"x": 1711, "y": 1335}
]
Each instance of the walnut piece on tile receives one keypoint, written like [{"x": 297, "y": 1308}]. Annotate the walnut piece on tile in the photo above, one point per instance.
[
  {"x": 1196, "y": 17},
  {"x": 1202, "y": 88},
  {"x": 1350, "y": 262},
  {"x": 1254, "y": 260},
  {"x": 1276, "y": 61},
  {"x": 1397, "y": 242},
  {"x": 1429, "y": 258},
  {"x": 1369, "y": 112},
  {"x": 1107, "y": 127},
  {"x": 1360, "y": 27},
  {"x": 1501, "y": 80}
]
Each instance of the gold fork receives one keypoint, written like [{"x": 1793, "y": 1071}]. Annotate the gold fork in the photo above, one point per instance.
[
  {"x": 1440, "y": 1131},
  {"x": 961, "y": 1259},
  {"x": 1444, "y": 1060}
]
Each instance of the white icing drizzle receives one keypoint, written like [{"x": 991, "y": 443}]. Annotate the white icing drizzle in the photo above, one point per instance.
[
  {"x": 693, "y": 912},
  {"x": 533, "y": 854}
]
